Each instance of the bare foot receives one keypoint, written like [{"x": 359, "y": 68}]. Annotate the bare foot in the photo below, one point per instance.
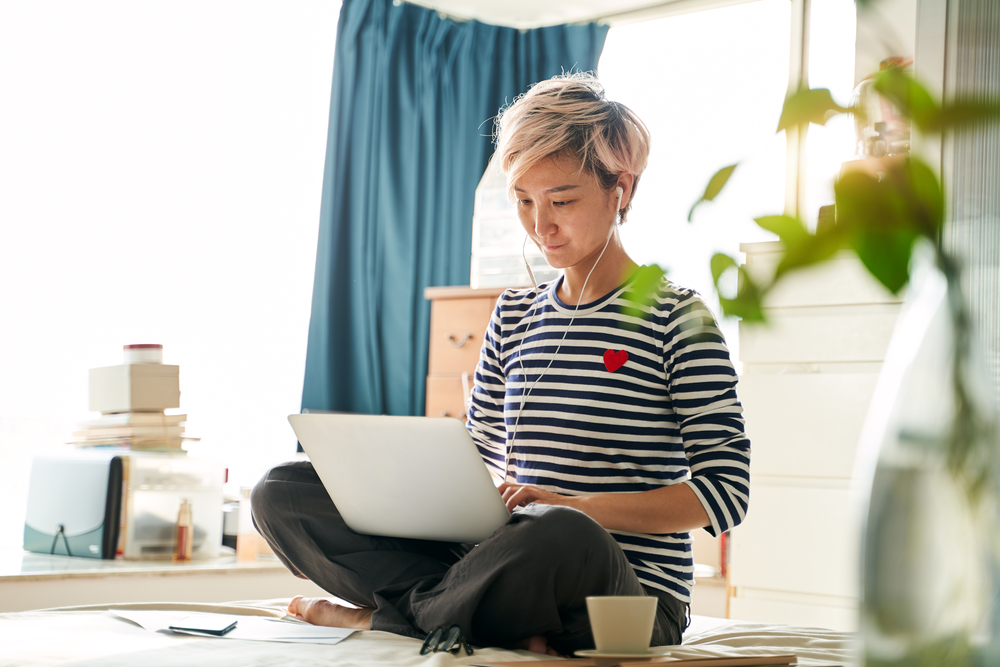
[
  {"x": 320, "y": 611},
  {"x": 538, "y": 644}
]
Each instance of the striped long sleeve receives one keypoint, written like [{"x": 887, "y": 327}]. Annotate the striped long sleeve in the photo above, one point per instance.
[{"x": 616, "y": 396}]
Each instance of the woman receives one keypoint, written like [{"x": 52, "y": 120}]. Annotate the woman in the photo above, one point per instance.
[{"x": 607, "y": 412}]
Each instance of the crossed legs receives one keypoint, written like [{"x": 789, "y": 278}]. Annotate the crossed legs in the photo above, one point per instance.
[{"x": 530, "y": 579}]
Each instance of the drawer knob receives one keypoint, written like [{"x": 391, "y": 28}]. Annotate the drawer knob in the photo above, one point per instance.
[
  {"x": 456, "y": 342},
  {"x": 461, "y": 415}
]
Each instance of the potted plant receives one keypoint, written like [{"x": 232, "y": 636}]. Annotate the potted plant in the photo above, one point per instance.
[{"x": 931, "y": 561}]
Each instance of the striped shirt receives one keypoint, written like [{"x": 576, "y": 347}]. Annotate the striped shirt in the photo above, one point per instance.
[{"x": 632, "y": 401}]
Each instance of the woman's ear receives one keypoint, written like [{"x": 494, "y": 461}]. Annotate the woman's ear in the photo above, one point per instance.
[{"x": 625, "y": 182}]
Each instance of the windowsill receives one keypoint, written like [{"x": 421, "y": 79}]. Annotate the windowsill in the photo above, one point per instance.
[
  {"x": 30, "y": 581},
  {"x": 19, "y": 565}
]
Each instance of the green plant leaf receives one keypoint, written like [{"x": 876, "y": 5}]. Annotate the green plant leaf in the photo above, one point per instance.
[
  {"x": 714, "y": 187},
  {"x": 909, "y": 97},
  {"x": 914, "y": 101},
  {"x": 801, "y": 248},
  {"x": 965, "y": 112},
  {"x": 883, "y": 217},
  {"x": 720, "y": 263},
  {"x": 863, "y": 201},
  {"x": 926, "y": 198},
  {"x": 788, "y": 229},
  {"x": 749, "y": 297},
  {"x": 907, "y": 196},
  {"x": 810, "y": 105},
  {"x": 812, "y": 249},
  {"x": 643, "y": 288},
  {"x": 886, "y": 254}
]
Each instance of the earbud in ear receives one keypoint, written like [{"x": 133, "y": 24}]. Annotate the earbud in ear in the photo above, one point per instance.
[{"x": 618, "y": 208}]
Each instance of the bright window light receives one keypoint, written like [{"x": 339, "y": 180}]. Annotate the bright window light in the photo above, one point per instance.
[
  {"x": 709, "y": 85},
  {"x": 831, "y": 65},
  {"x": 162, "y": 168}
]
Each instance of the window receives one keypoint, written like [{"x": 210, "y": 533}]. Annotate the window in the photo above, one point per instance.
[
  {"x": 831, "y": 65},
  {"x": 162, "y": 167},
  {"x": 710, "y": 86}
]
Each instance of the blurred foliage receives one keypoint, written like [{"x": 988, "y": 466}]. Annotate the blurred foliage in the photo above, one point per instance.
[
  {"x": 641, "y": 291},
  {"x": 916, "y": 103},
  {"x": 714, "y": 187},
  {"x": 810, "y": 105},
  {"x": 879, "y": 214},
  {"x": 747, "y": 301},
  {"x": 883, "y": 207}
]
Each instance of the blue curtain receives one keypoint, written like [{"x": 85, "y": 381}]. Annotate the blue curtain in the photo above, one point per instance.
[{"x": 411, "y": 119}]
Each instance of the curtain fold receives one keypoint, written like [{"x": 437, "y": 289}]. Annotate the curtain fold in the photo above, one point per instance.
[{"x": 411, "y": 121}]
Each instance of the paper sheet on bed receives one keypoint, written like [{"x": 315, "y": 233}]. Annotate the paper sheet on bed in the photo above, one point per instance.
[
  {"x": 254, "y": 628},
  {"x": 740, "y": 661}
]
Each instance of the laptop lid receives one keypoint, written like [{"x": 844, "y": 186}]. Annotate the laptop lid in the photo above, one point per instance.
[{"x": 418, "y": 477}]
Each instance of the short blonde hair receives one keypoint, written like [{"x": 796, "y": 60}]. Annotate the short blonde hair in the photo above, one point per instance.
[{"x": 570, "y": 115}]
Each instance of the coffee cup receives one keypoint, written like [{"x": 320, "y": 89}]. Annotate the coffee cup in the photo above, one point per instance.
[{"x": 622, "y": 623}]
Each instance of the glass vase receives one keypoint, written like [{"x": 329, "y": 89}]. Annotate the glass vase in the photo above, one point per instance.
[{"x": 929, "y": 555}]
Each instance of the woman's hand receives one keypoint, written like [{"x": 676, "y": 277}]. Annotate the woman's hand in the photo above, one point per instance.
[
  {"x": 519, "y": 495},
  {"x": 668, "y": 509}
]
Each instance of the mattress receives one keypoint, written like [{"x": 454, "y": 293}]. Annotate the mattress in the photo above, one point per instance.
[{"x": 94, "y": 637}]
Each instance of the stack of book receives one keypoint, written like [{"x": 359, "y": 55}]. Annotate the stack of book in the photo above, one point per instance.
[
  {"x": 135, "y": 430},
  {"x": 132, "y": 399}
]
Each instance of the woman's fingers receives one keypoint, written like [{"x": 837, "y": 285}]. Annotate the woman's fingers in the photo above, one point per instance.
[
  {"x": 511, "y": 495},
  {"x": 517, "y": 495}
]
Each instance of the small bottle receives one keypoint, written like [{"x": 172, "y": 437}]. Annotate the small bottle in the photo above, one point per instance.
[
  {"x": 246, "y": 534},
  {"x": 184, "y": 533}
]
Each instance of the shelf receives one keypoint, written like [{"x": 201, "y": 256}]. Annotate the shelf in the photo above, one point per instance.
[
  {"x": 18, "y": 565},
  {"x": 39, "y": 581}
]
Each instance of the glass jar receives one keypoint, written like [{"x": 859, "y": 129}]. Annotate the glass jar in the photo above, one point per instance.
[{"x": 879, "y": 128}]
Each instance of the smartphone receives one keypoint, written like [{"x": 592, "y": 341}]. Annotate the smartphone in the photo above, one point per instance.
[{"x": 209, "y": 624}]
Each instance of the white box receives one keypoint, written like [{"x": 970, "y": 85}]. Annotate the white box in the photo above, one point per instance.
[
  {"x": 135, "y": 388},
  {"x": 155, "y": 485}
]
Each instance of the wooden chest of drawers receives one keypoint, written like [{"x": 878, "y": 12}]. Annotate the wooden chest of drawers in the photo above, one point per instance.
[{"x": 459, "y": 316}]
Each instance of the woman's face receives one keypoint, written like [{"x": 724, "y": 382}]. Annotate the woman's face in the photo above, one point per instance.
[{"x": 565, "y": 211}]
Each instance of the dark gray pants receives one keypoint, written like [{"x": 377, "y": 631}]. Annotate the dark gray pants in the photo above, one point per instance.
[{"x": 531, "y": 577}]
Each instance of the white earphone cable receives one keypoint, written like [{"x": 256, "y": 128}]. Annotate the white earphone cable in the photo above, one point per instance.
[
  {"x": 526, "y": 265},
  {"x": 524, "y": 336}
]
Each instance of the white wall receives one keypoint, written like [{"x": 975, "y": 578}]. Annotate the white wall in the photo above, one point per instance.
[{"x": 160, "y": 167}]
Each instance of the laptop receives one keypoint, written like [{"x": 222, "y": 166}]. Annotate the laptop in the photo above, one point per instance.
[{"x": 418, "y": 477}]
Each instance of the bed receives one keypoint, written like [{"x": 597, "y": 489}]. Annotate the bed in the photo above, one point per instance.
[{"x": 93, "y": 636}]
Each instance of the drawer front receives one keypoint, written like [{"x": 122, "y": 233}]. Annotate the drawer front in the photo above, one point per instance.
[
  {"x": 842, "y": 281},
  {"x": 457, "y": 330},
  {"x": 446, "y": 396},
  {"x": 824, "y": 335},
  {"x": 805, "y": 424},
  {"x": 798, "y": 539}
]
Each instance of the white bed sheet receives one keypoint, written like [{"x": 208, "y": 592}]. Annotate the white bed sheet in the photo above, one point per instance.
[{"x": 93, "y": 637}]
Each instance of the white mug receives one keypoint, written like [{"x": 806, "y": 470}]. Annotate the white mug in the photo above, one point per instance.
[{"x": 622, "y": 624}]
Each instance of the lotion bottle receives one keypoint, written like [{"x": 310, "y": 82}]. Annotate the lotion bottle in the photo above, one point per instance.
[{"x": 184, "y": 533}]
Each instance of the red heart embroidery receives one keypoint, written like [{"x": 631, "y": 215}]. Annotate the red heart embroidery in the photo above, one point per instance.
[{"x": 615, "y": 360}]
